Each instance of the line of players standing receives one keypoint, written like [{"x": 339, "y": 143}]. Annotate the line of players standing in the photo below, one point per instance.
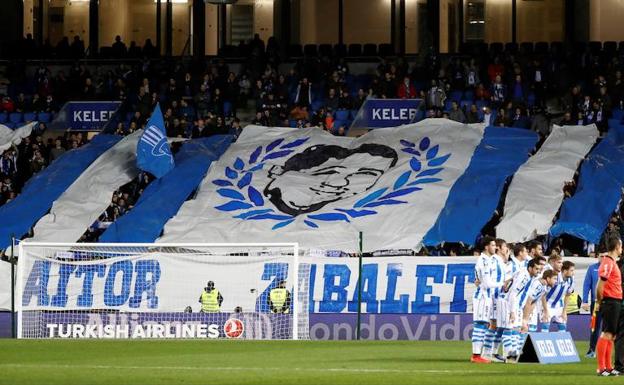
[{"x": 516, "y": 294}]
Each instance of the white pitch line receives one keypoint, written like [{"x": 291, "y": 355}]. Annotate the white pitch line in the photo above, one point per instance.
[{"x": 315, "y": 370}]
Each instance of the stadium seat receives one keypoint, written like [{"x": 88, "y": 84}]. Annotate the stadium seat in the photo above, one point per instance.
[
  {"x": 325, "y": 50},
  {"x": 496, "y": 48},
  {"x": 295, "y": 50},
  {"x": 618, "y": 114},
  {"x": 468, "y": 95},
  {"x": 609, "y": 47},
  {"x": 456, "y": 96},
  {"x": 526, "y": 47},
  {"x": 353, "y": 114},
  {"x": 4, "y": 117},
  {"x": 342, "y": 114},
  {"x": 30, "y": 117},
  {"x": 614, "y": 123},
  {"x": 340, "y": 50},
  {"x": 227, "y": 109},
  {"x": 595, "y": 47},
  {"x": 310, "y": 50},
  {"x": 481, "y": 103},
  {"x": 15, "y": 117},
  {"x": 317, "y": 105},
  {"x": 511, "y": 47},
  {"x": 386, "y": 50},
  {"x": 338, "y": 123},
  {"x": 369, "y": 50},
  {"x": 44, "y": 117},
  {"x": 465, "y": 104},
  {"x": 292, "y": 123},
  {"x": 541, "y": 47},
  {"x": 557, "y": 47},
  {"x": 447, "y": 104},
  {"x": 355, "y": 50}
]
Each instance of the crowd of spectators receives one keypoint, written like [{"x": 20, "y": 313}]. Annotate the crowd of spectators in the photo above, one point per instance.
[{"x": 508, "y": 88}]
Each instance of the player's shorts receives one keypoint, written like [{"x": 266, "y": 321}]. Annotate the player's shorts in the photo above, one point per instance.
[
  {"x": 503, "y": 313},
  {"x": 556, "y": 314},
  {"x": 482, "y": 309},
  {"x": 610, "y": 311}
]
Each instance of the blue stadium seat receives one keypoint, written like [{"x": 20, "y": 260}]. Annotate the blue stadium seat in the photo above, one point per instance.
[
  {"x": 468, "y": 95},
  {"x": 456, "y": 96},
  {"x": 4, "y": 117},
  {"x": 465, "y": 104},
  {"x": 292, "y": 123},
  {"x": 44, "y": 117},
  {"x": 342, "y": 115},
  {"x": 30, "y": 117},
  {"x": 15, "y": 117},
  {"x": 447, "y": 104},
  {"x": 338, "y": 123},
  {"x": 316, "y": 105},
  {"x": 614, "y": 123},
  {"x": 618, "y": 114},
  {"x": 481, "y": 103},
  {"x": 353, "y": 114},
  {"x": 227, "y": 109}
]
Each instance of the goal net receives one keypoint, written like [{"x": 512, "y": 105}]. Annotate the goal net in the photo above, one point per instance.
[{"x": 247, "y": 291}]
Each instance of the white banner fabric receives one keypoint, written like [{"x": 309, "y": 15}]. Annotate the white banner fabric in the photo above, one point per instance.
[
  {"x": 9, "y": 137},
  {"x": 536, "y": 190},
  {"x": 307, "y": 186},
  {"x": 87, "y": 198}
]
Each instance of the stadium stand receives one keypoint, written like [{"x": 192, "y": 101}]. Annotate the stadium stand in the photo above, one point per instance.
[{"x": 529, "y": 86}]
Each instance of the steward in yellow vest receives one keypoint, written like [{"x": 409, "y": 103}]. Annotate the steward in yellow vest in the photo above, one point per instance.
[
  {"x": 279, "y": 299},
  {"x": 210, "y": 299}
]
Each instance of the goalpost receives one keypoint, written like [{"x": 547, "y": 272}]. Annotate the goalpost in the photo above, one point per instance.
[{"x": 93, "y": 290}]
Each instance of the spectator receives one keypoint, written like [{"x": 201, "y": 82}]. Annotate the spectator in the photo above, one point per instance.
[
  {"x": 57, "y": 151},
  {"x": 118, "y": 47},
  {"x": 456, "y": 113},
  {"x": 406, "y": 89}
]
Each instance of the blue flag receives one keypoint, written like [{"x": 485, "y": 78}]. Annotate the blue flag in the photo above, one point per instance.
[{"x": 153, "y": 152}]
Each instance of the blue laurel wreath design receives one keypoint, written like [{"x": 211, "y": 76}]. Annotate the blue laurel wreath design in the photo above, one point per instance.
[{"x": 425, "y": 163}]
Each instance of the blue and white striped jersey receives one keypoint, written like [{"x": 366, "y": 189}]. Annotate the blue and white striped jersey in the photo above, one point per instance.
[
  {"x": 537, "y": 290},
  {"x": 511, "y": 267},
  {"x": 556, "y": 294},
  {"x": 522, "y": 264},
  {"x": 519, "y": 290},
  {"x": 498, "y": 274},
  {"x": 489, "y": 272}
]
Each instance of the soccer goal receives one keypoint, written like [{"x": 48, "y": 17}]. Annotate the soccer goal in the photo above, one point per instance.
[{"x": 247, "y": 291}]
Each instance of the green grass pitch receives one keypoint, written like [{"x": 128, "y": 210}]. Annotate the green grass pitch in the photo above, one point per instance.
[{"x": 156, "y": 362}]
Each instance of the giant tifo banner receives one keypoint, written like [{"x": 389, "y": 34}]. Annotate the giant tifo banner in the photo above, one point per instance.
[
  {"x": 401, "y": 187},
  {"x": 162, "y": 282},
  {"x": 86, "y": 116},
  {"x": 310, "y": 187},
  {"x": 378, "y": 113}
]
